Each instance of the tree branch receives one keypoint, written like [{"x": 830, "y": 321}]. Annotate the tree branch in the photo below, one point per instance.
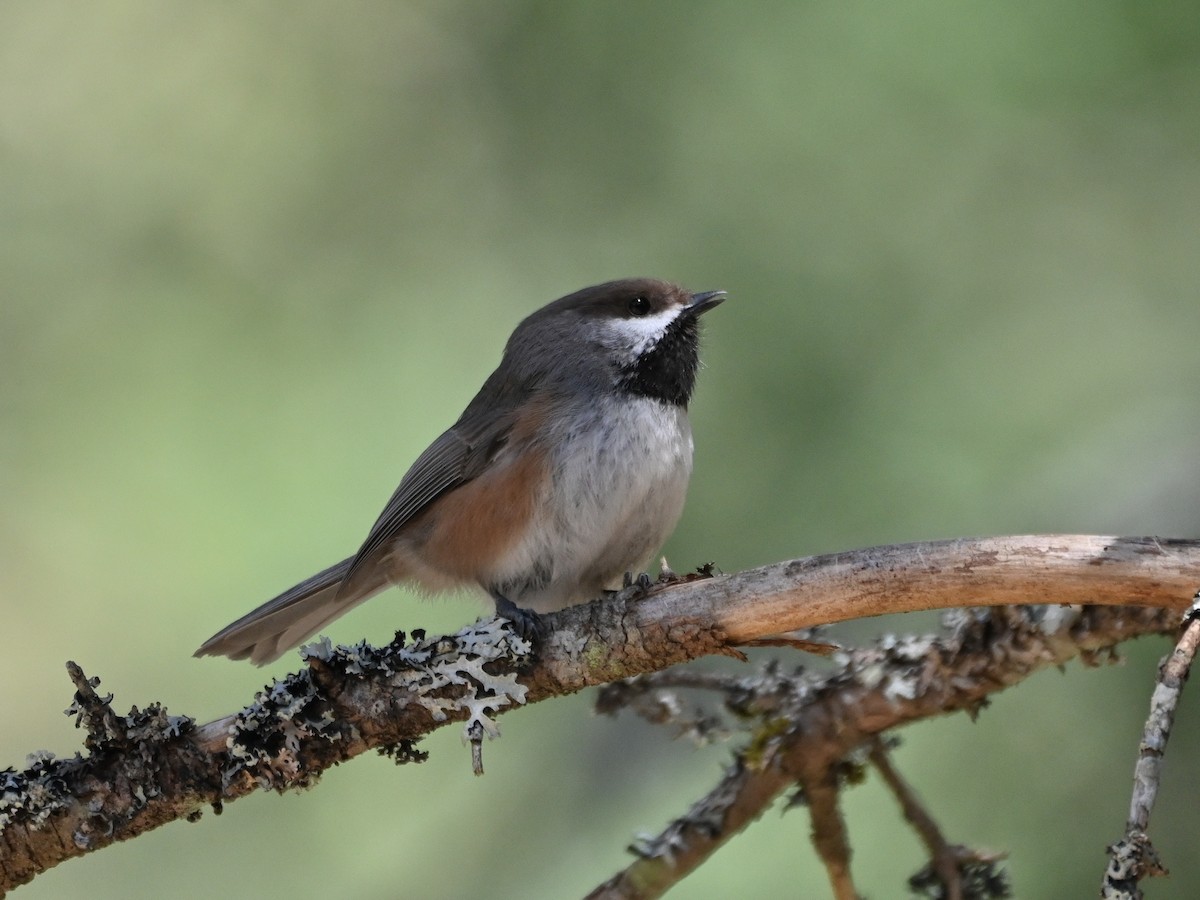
[
  {"x": 1134, "y": 857},
  {"x": 148, "y": 768},
  {"x": 943, "y": 856},
  {"x": 954, "y": 872},
  {"x": 803, "y": 724}
]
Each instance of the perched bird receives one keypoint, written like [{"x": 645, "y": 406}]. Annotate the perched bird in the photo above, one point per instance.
[{"x": 567, "y": 471}]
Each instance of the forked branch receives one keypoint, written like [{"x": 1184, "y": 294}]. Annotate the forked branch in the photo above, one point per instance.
[{"x": 148, "y": 768}]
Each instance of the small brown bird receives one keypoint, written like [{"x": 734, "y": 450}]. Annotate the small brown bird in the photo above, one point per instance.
[{"x": 567, "y": 470}]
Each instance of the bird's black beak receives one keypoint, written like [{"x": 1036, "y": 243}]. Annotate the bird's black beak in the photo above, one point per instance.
[{"x": 703, "y": 302}]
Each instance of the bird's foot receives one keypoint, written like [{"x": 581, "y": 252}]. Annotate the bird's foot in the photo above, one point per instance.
[
  {"x": 525, "y": 622},
  {"x": 632, "y": 588}
]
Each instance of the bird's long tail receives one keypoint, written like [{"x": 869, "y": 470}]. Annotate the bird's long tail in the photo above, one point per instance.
[{"x": 266, "y": 633}]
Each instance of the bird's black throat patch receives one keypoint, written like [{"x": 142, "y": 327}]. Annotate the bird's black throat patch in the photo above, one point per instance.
[{"x": 667, "y": 371}]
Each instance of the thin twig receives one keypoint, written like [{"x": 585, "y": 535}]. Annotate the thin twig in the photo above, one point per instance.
[
  {"x": 943, "y": 856},
  {"x": 829, "y": 837},
  {"x": 1172, "y": 677},
  {"x": 665, "y": 859},
  {"x": 1134, "y": 857}
]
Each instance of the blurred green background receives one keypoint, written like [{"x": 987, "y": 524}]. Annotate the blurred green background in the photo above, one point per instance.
[{"x": 253, "y": 257}]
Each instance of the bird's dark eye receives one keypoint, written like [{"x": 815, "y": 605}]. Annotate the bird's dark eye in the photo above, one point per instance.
[{"x": 639, "y": 306}]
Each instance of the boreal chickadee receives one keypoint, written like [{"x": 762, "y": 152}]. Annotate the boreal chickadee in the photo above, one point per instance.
[{"x": 567, "y": 470}]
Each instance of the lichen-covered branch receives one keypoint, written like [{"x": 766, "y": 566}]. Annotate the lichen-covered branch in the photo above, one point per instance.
[
  {"x": 805, "y": 724},
  {"x": 147, "y": 768},
  {"x": 1134, "y": 857},
  {"x": 1172, "y": 676}
]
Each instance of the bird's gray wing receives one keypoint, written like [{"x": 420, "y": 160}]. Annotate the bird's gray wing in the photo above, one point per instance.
[{"x": 456, "y": 457}]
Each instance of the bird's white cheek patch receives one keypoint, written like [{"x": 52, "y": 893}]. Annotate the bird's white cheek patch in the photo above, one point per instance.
[{"x": 636, "y": 336}]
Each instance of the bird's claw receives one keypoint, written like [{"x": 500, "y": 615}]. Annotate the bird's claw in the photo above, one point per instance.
[
  {"x": 525, "y": 622},
  {"x": 632, "y": 588}
]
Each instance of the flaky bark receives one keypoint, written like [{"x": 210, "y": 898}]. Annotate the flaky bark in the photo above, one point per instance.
[{"x": 149, "y": 768}]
